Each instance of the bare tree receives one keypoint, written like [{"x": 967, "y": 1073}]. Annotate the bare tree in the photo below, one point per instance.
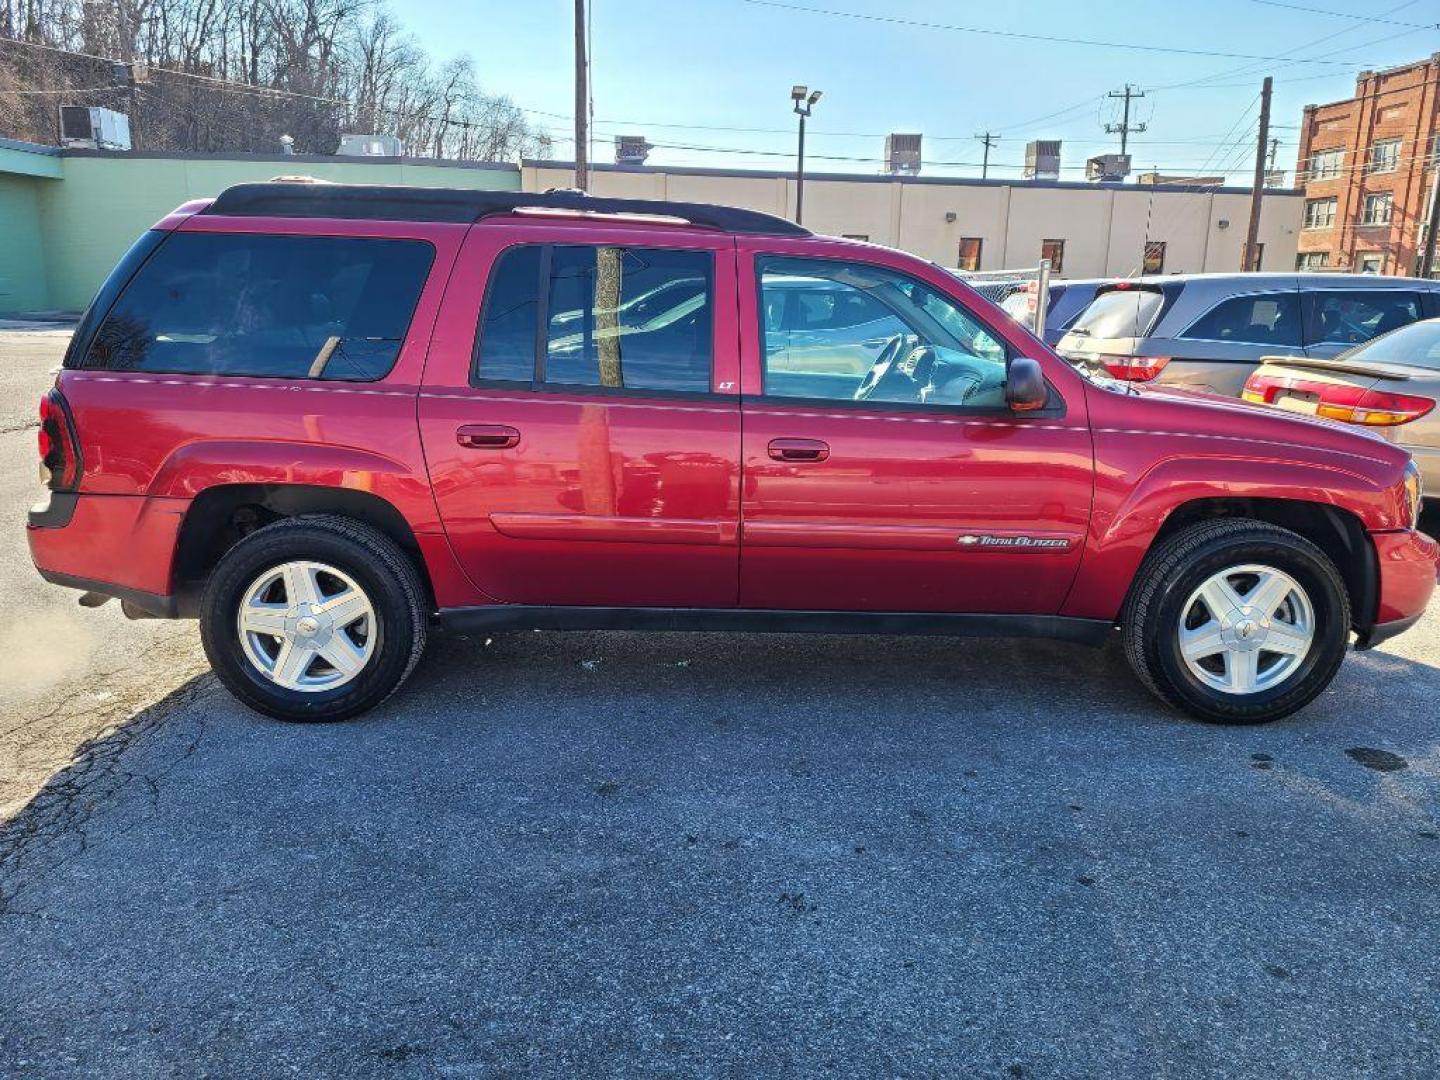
[{"x": 235, "y": 75}]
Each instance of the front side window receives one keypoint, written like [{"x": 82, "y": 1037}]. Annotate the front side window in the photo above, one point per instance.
[
  {"x": 1320, "y": 213},
  {"x": 1385, "y": 156},
  {"x": 1377, "y": 208},
  {"x": 615, "y": 317},
  {"x": 318, "y": 307},
  {"x": 1054, "y": 250},
  {"x": 843, "y": 331},
  {"x": 1265, "y": 319},
  {"x": 1352, "y": 316}
]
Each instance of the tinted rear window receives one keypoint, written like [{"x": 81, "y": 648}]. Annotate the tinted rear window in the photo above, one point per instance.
[
  {"x": 1417, "y": 344},
  {"x": 1122, "y": 313},
  {"x": 277, "y": 306}
]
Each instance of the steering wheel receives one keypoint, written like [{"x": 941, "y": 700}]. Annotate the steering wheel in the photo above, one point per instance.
[{"x": 883, "y": 370}]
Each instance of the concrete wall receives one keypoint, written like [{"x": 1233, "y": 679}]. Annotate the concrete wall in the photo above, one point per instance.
[
  {"x": 1104, "y": 227},
  {"x": 66, "y": 218},
  {"x": 22, "y": 249},
  {"x": 106, "y": 200}
]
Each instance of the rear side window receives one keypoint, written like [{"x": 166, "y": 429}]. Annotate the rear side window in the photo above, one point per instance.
[
  {"x": 614, "y": 317},
  {"x": 1353, "y": 316},
  {"x": 291, "y": 307},
  {"x": 1120, "y": 313},
  {"x": 629, "y": 318},
  {"x": 1265, "y": 319}
]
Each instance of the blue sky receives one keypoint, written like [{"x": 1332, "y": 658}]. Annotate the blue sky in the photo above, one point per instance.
[{"x": 711, "y": 68}]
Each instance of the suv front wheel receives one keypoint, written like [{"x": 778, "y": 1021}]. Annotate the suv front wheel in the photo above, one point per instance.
[
  {"x": 1237, "y": 622},
  {"x": 313, "y": 618}
]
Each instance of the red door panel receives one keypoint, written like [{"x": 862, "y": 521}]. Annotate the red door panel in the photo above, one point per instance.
[
  {"x": 908, "y": 508},
  {"x": 577, "y": 496}
]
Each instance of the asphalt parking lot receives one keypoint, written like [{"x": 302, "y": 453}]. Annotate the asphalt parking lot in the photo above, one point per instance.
[{"x": 609, "y": 854}]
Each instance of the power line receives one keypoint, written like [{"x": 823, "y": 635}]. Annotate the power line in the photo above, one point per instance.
[
  {"x": 1346, "y": 14},
  {"x": 1017, "y": 34}
]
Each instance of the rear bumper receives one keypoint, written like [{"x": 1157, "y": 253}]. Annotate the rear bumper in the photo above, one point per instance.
[
  {"x": 119, "y": 545},
  {"x": 1409, "y": 562}
]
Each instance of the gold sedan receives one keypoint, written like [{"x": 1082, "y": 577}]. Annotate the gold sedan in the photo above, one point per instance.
[{"x": 1390, "y": 385}]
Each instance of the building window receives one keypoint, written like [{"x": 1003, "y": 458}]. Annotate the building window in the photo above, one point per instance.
[
  {"x": 1320, "y": 213},
  {"x": 1377, "y": 209},
  {"x": 856, "y": 236},
  {"x": 1325, "y": 164},
  {"x": 1371, "y": 264},
  {"x": 969, "y": 253},
  {"x": 1054, "y": 250},
  {"x": 1312, "y": 260},
  {"x": 1154, "y": 261},
  {"x": 1385, "y": 156}
]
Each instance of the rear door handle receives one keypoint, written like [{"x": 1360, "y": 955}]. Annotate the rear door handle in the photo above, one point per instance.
[
  {"x": 798, "y": 450},
  {"x": 487, "y": 436}
]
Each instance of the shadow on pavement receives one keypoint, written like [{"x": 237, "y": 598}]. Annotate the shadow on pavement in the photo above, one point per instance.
[{"x": 619, "y": 854}]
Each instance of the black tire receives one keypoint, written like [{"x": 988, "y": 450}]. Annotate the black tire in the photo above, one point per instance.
[
  {"x": 389, "y": 579},
  {"x": 1172, "y": 572}
]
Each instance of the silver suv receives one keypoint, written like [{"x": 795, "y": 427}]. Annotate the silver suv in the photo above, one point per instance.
[{"x": 1209, "y": 331}]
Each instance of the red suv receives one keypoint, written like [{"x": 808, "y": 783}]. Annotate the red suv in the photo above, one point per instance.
[{"x": 323, "y": 417}]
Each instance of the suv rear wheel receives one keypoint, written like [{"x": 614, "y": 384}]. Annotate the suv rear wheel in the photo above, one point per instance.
[
  {"x": 1237, "y": 622},
  {"x": 313, "y": 618}
]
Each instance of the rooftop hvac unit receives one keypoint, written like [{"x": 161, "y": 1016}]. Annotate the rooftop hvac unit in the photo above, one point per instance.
[
  {"x": 83, "y": 127},
  {"x": 631, "y": 149},
  {"x": 370, "y": 146},
  {"x": 902, "y": 155},
  {"x": 1042, "y": 159},
  {"x": 1108, "y": 168}
]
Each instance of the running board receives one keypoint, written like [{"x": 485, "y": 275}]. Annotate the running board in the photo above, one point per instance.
[{"x": 508, "y": 617}]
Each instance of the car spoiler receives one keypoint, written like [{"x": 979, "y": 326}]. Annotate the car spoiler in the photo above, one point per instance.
[{"x": 1400, "y": 372}]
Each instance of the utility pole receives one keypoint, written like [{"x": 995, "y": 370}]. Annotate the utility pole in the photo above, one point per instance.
[
  {"x": 582, "y": 102},
  {"x": 1427, "y": 258},
  {"x": 1274, "y": 149},
  {"x": 1248, "y": 261},
  {"x": 989, "y": 141},
  {"x": 1124, "y": 128}
]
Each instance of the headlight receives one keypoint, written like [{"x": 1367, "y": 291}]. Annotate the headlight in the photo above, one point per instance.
[{"x": 1414, "y": 491}]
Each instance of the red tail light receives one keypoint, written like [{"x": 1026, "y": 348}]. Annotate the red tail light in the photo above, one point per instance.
[
  {"x": 1340, "y": 401},
  {"x": 1374, "y": 408},
  {"x": 59, "y": 448},
  {"x": 1134, "y": 368}
]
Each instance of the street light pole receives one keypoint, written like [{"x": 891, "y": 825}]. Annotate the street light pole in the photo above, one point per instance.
[{"x": 804, "y": 100}]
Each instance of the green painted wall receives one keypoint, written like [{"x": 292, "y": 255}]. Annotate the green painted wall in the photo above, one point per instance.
[
  {"x": 71, "y": 231},
  {"x": 22, "y": 247}
]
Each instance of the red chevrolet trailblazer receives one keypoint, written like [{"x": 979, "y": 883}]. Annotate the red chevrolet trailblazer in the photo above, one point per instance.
[{"x": 322, "y": 417}]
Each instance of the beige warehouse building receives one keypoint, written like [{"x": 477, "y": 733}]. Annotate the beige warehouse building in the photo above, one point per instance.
[
  {"x": 66, "y": 216},
  {"x": 1089, "y": 230}
]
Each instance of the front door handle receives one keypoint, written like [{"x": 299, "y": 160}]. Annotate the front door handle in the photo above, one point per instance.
[
  {"x": 799, "y": 450},
  {"x": 487, "y": 436}
]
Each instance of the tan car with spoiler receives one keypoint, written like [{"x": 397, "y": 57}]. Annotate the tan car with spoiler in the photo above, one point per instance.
[{"x": 1390, "y": 385}]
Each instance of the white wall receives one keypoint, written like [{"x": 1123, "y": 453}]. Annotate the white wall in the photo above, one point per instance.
[{"x": 1104, "y": 228}]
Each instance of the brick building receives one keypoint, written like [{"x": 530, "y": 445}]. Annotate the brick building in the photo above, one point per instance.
[{"x": 1368, "y": 168}]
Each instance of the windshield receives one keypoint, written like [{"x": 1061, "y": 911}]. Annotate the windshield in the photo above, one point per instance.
[
  {"x": 1417, "y": 344},
  {"x": 1120, "y": 313}
]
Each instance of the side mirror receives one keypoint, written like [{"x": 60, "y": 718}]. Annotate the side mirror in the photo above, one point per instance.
[{"x": 1025, "y": 389}]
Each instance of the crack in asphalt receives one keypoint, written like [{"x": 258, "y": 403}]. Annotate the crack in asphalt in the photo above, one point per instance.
[{"x": 51, "y": 829}]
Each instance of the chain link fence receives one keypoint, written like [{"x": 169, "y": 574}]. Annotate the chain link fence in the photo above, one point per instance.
[{"x": 1015, "y": 291}]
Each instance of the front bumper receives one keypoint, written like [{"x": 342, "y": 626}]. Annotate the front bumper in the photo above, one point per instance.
[
  {"x": 119, "y": 545},
  {"x": 1409, "y": 562}
]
